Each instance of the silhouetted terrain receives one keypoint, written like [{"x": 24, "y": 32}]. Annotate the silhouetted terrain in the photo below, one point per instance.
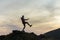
[
  {"x": 54, "y": 34},
  {"x": 21, "y": 35}
]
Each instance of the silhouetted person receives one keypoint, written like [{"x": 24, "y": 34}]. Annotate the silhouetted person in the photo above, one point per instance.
[{"x": 24, "y": 22}]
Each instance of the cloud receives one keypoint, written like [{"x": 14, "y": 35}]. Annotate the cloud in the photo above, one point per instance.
[
  {"x": 4, "y": 30},
  {"x": 42, "y": 13},
  {"x": 6, "y": 25}
]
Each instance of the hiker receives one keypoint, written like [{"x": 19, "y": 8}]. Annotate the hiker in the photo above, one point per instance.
[{"x": 24, "y": 22}]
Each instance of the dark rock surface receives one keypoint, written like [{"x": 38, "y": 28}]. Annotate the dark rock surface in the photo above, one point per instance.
[{"x": 21, "y": 35}]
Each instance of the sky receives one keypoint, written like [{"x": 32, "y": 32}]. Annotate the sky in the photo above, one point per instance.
[{"x": 44, "y": 15}]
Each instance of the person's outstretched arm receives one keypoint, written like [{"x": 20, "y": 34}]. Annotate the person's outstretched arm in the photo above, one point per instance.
[{"x": 27, "y": 19}]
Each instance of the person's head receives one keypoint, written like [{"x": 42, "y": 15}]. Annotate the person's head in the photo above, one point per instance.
[{"x": 22, "y": 15}]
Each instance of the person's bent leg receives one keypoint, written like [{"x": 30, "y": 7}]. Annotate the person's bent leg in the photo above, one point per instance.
[{"x": 28, "y": 24}]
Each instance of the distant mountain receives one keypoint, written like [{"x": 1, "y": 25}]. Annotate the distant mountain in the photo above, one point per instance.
[{"x": 21, "y": 35}]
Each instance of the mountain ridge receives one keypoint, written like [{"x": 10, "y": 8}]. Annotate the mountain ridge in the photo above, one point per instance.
[{"x": 22, "y": 35}]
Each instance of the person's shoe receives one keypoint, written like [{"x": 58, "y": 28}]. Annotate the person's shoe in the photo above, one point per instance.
[{"x": 30, "y": 25}]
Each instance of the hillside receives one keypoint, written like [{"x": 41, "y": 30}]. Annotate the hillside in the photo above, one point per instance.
[{"x": 21, "y": 35}]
